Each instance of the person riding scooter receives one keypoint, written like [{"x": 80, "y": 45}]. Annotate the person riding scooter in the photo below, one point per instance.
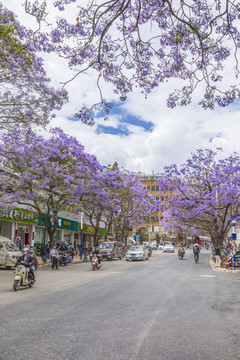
[
  {"x": 27, "y": 261},
  {"x": 96, "y": 253}
]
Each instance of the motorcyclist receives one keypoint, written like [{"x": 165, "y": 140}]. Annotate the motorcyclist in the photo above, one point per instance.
[
  {"x": 196, "y": 249},
  {"x": 34, "y": 265},
  {"x": 181, "y": 249},
  {"x": 96, "y": 253},
  {"x": 26, "y": 260}
]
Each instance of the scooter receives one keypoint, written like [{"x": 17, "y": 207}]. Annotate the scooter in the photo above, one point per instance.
[
  {"x": 95, "y": 261},
  {"x": 181, "y": 253},
  {"x": 20, "y": 277}
]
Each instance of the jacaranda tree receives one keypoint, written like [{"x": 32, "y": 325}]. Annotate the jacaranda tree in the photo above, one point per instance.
[
  {"x": 26, "y": 97},
  {"x": 205, "y": 193},
  {"x": 46, "y": 175},
  {"x": 144, "y": 43}
]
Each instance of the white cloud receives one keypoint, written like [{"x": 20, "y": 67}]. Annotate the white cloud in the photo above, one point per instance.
[{"x": 176, "y": 132}]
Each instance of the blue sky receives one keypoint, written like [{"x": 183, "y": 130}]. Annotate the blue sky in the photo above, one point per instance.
[{"x": 141, "y": 135}]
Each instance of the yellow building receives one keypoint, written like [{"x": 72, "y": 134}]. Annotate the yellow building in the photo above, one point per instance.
[{"x": 156, "y": 225}]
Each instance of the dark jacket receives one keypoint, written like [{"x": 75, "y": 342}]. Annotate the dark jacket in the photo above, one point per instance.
[
  {"x": 27, "y": 263},
  {"x": 42, "y": 250}
]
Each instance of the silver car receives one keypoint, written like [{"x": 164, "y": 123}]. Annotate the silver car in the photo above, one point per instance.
[
  {"x": 110, "y": 250},
  {"x": 168, "y": 248},
  {"x": 137, "y": 253}
]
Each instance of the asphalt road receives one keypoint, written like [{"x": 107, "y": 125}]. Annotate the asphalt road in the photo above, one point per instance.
[{"x": 160, "y": 309}]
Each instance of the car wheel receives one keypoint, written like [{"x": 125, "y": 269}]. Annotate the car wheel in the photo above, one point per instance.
[
  {"x": 8, "y": 267},
  {"x": 127, "y": 259}
]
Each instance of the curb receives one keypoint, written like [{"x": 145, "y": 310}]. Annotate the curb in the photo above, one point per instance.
[{"x": 215, "y": 268}]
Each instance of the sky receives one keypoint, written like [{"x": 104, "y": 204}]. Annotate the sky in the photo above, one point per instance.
[{"x": 142, "y": 135}]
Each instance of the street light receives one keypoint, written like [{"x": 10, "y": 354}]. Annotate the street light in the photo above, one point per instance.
[
  {"x": 234, "y": 238},
  {"x": 81, "y": 236}
]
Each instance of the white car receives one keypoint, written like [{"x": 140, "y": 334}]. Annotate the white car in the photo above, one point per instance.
[
  {"x": 137, "y": 253},
  {"x": 168, "y": 248}
]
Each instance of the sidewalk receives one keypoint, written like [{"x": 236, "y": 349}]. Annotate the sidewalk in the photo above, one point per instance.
[
  {"x": 76, "y": 260},
  {"x": 220, "y": 269}
]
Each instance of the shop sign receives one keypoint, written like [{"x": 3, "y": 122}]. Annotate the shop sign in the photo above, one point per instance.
[
  {"x": 88, "y": 229},
  {"x": 63, "y": 224},
  {"x": 22, "y": 215}
]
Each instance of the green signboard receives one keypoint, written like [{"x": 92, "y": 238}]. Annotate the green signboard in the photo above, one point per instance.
[
  {"x": 63, "y": 224},
  {"x": 22, "y": 215},
  {"x": 88, "y": 229}
]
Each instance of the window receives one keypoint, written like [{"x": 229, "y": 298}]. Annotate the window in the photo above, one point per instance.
[
  {"x": 148, "y": 187},
  {"x": 153, "y": 188},
  {"x": 157, "y": 197},
  {"x": 166, "y": 198},
  {"x": 157, "y": 187}
]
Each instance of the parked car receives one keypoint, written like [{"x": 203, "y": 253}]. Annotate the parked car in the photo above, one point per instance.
[
  {"x": 111, "y": 249},
  {"x": 9, "y": 252},
  {"x": 137, "y": 253},
  {"x": 168, "y": 248},
  {"x": 161, "y": 247}
]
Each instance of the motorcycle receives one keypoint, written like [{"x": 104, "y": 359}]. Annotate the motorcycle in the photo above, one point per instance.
[
  {"x": 20, "y": 277},
  {"x": 95, "y": 261},
  {"x": 181, "y": 253}
]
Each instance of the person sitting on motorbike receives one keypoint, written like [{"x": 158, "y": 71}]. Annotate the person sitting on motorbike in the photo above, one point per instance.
[
  {"x": 96, "y": 253},
  {"x": 34, "y": 265},
  {"x": 26, "y": 260},
  {"x": 196, "y": 249}
]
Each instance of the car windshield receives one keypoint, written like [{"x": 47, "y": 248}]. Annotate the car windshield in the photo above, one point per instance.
[
  {"x": 106, "y": 245},
  {"x": 135, "y": 248},
  {"x": 10, "y": 246}
]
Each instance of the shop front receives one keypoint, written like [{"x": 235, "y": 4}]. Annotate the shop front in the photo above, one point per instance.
[
  {"x": 19, "y": 225},
  {"x": 88, "y": 231},
  {"x": 66, "y": 231}
]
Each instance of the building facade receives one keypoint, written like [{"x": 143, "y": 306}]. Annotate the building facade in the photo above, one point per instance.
[{"x": 156, "y": 226}]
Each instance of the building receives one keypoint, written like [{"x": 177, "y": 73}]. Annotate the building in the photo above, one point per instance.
[
  {"x": 156, "y": 225},
  {"x": 25, "y": 227}
]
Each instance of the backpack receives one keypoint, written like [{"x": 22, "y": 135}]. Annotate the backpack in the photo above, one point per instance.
[{"x": 195, "y": 249}]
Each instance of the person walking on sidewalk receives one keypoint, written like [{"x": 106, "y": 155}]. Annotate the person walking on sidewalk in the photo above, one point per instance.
[
  {"x": 54, "y": 258},
  {"x": 43, "y": 253},
  {"x": 217, "y": 255}
]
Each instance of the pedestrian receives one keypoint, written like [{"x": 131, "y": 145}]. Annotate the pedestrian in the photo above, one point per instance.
[
  {"x": 71, "y": 253},
  {"x": 43, "y": 253},
  {"x": 47, "y": 251},
  {"x": 54, "y": 258},
  {"x": 217, "y": 255}
]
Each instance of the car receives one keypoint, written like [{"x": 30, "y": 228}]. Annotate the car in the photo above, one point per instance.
[
  {"x": 161, "y": 247},
  {"x": 137, "y": 253},
  {"x": 9, "y": 252},
  {"x": 168, "y": 248},
  {"x": 153, "y": 246},
  {"x": 111, "y": 249}
]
